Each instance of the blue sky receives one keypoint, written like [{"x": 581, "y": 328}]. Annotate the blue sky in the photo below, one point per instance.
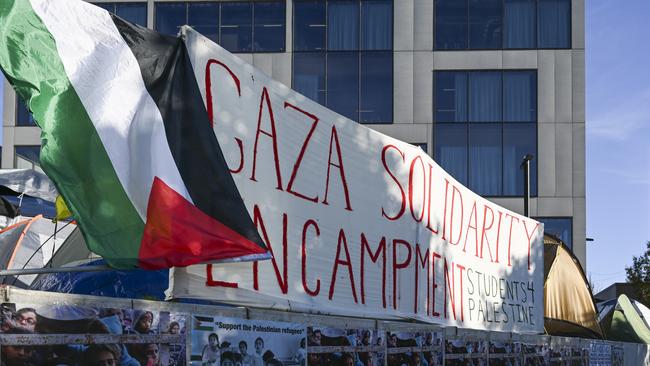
[{"x": 618, "y": 135}]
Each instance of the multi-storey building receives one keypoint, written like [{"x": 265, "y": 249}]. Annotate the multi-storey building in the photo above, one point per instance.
[{"x": 476, "y": 83}]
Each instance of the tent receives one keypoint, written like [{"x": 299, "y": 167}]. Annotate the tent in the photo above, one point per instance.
[
  {"x": 30, "y": 242},
  {"x": 137, "y": 284},
  {"x": 569, "y": 308},
  {"x": 626, "y": 320}
]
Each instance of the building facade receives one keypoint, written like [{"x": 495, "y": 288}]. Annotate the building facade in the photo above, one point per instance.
[{"x": 476, "y": 83}]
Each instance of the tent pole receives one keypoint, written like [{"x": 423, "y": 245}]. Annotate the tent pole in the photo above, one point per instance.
[{"x": 31, "y": 271}]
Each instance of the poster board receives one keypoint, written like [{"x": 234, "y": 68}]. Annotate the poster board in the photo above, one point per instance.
[{"x": 221, "y": 340}]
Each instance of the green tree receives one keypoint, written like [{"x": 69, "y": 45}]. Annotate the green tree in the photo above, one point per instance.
[{"x": 639, "y": 275}]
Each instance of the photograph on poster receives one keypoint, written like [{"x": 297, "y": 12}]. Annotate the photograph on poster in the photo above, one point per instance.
[
  {"x": 535, "y": 354},
  {"x": 466, "y": 350},
  {"x": 65, "y": 319},
  {"x": 504, "y": 353},
  {"x": 221, "y": 341},
  {"x": 618, "y": 355},
  {"x": 600, "y": 354},
  {"x": 567, "y": 353},
  {"x": 345, "y": 347},
  {"x": 414, "y": 348}
]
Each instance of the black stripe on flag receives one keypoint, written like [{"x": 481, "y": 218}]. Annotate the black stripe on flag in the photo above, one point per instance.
[{"x": 170, "y": 80}]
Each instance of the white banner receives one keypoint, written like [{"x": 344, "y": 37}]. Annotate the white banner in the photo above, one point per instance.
[{"x": 359, "y": 223}]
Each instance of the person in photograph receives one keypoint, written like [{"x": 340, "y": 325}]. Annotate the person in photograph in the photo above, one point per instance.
[
  {"x": 301, "y": 353},
  {"x": 246, "y": 359},
  {"x": 174, "y": 328},
  {"x": 148, "y": 354},
  {"x": 102, "y": 355},
  {"x": 176, "y": 350},
  {"x": 118, "y": 313},
  {"x": 7, "y": 319},
  {"x": 258, "y": 359},
  {"x": 316, "y": 338},
  {"x": 224, "y": 346},
  {"x": 348, "y": 359},
  {"x": 269, "y": 359},
  {"x": 144, "y": 323},
  {"x": 211, "y": 353},
  {"x": 366, "y": 338},
  {"x": 227, "y": 359},
  {"x": 315, "y": 359},
  {"x": 26, "y": 318},
  {"x": 367, "y": 358},
  {"x": 17, "y": 355}
]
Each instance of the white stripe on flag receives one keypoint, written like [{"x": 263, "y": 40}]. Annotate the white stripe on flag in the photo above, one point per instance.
[{"x": 106, "y": 76}]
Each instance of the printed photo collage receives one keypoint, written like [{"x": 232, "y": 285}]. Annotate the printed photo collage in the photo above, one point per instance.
[{"x": 158, "y": 338}]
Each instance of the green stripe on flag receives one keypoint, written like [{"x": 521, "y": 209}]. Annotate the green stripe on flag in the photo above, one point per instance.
[
  {"x": 72, "y": 154},
  {"x": 208, "y": 319}
]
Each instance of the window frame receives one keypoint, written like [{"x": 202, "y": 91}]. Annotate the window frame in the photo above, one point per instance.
[
  {"x": 570, "y": 218},
  {"x": 115, "y": 3},
  {"x": 468, "y": 124},
  {"x": 19, "y": 104},
  {"x": 219, "y": 25},
  {"x": 359, "y": 51},
  {"x": 16, "y": 155},
  {"x": 503, "y": 31}
]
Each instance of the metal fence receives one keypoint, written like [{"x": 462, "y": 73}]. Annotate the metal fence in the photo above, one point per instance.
[{"x": 429, "y": 345}]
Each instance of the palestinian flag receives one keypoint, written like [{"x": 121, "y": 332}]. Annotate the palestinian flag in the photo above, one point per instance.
[{"x": 125, "y": 136}]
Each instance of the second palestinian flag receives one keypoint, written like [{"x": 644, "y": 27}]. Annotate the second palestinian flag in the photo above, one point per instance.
[{"x": 125, "y": 136}]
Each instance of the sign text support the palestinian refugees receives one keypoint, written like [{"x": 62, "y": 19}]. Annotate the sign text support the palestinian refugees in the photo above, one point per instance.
[{"x": 359, "y": 223}]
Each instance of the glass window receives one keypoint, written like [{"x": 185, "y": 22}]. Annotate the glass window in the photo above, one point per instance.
[
  {"x": 376, "y": 87},
  {"x": 486, "y": 121},
  {"x": 236, "y": 26},
  {"x": 343, "y": 25},
  {"x": 562, "y": 227},
  {"x": 351, "y": 74},
  {"x": 519, "y": 96},
  {"x": 422, "y": 146},
  {"x": 451, "y": 149},
  {"x": 485, "y": 96},
  {"x": 485, "y": 158},
  {"x": 27, "y": 156},
  {"x": 496, "y": 24},
  {"x": 132, "y": 12},
  {"x": 519, "y": 24},
  {"x": 451, "y": 24},
  {"x": 309, "y": 75},
  {"x": 485, "y": 24},
  {"x": 109, "y": 7},
  {"x": 376, "y": 25},
  {"x": 519, "y": 139},
  {"x": 554, "y": 20},
  {"x": 343, "y": 83},
  {"x": 204, "y": 18},
  {"x": 269, "y": 32},
  {"x": 23, "y": 116},
  {"x": 170, "y": 17},
  {"x": 309, "y": 26},
  {"x": 451, "y": 96}
]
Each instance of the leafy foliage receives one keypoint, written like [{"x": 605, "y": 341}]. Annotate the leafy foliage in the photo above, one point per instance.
[{"x": 639, "y": 275}]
